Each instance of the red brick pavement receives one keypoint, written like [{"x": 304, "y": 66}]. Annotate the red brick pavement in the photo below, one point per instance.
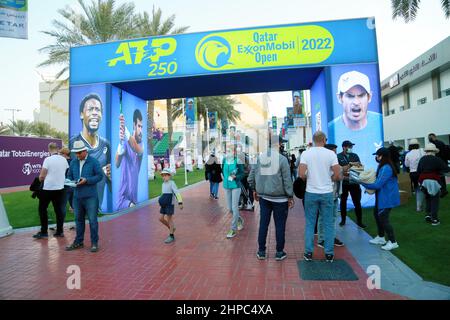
[{"x": 134, "y": 263}]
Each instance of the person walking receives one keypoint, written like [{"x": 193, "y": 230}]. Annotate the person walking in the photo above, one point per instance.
[
  {"x": 53, "y": 174},
  {"x": 233, "y": 172},
  {"x": 272, "y": 182},
  {"x": 167, "y": 203},
  {"x": 387, "y": 197},
  {"x": 347, "y": 159},
  {"x": 294, "y": 167},
  {"x": 444, "y": 155},
  {"x": 213, "y": 173},
  {"x": 320, "y": 167},
  {"x": 337, "y": 190},
  {"x": 86, "y": 171},
  {"x": 412, "y": 159},
  {"x": 431, "y": 169}
]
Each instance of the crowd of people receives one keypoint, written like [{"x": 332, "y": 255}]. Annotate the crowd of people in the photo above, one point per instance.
[{"x": 319, "y": 176}]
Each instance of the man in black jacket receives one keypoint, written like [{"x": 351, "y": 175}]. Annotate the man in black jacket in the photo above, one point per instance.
[{"x": 444, "y": 157}]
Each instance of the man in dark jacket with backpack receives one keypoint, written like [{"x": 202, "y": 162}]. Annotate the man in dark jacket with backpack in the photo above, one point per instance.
[{"x": 444, "y": 154}]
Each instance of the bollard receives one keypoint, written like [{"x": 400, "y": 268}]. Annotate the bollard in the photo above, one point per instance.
[{"x": 5, "y": 228}]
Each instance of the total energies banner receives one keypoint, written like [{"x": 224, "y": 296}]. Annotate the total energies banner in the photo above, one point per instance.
[
  {"x": 317, "y": 44},
  {"x": 14, "y": 19},
  {"x": 129, "y": 149},
  {"x": 89, "y": 121},
  {"x": 21, "y": 159}
]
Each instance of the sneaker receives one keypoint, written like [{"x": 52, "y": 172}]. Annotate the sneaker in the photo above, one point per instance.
[
  {"x": 231, "y": 234},
  {"x": 280, "y": 255},
  {"x": 428, "y": 219},
  {"x": 338, "y": 243},
  {"x": 74, "y": 246},
  {"x": 320, "y": 244},
  {"x": 308, "y": 256},
  {"x": 240, "y": 207},
  {"x": 58, "y": 234},
  {"x": 435, "y": 222},
  {"x": 329, "y": 258},
  {"x": 342, "y": 223},
  {"x": 169, "y": 239},
  {"x": 40, "y": 235},
  {"x": 390, "y": 246},
  {"x": 261, "y": 255},
  {"x": 211, "y": 196},
  {"x": 361, "y": 225},
  {"x": 94, "y": 248},
  {"x": 378, "y": 240},
  {"x": 216, "y": 198},
  {"x": 249, "y": 207},
  {"x": 240, "y": 224}
]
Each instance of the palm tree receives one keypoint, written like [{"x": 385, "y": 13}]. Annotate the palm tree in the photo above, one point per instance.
[
  {"x": 407, "y": 9},
  {"x": 100, "y": 21},
  {"x": 154, "y": 25},
  {"x": 223, "y": 105},
  {"x": 20, "y": 127},
  {"x": 4, "y": 130},
  {"x": 41, "y": 129}
]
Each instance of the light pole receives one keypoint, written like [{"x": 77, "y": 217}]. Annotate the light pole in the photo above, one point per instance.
[
  {"x": 185, "y": 144},
  {"x": 207, "y": 130},
  {"x": 13, "y": 112}
]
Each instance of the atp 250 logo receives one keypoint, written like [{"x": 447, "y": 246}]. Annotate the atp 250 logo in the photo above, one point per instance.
[
  {"x": 213, "y": 52},
  {"x": 148, "y": 50}
]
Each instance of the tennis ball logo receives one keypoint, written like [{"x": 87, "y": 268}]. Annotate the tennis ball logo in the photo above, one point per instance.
[{"x": 213, "y": 53}]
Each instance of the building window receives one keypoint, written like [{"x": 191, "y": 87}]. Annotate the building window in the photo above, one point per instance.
[
  {"x": 446, "y": 92},
  {"x": 422, "y": 101}
]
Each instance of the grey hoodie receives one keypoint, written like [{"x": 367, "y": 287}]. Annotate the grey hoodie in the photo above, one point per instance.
[{"x": 271, "y": 176}]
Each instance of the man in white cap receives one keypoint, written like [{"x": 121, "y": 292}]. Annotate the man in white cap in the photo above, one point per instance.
[
  {"x": 87, "y": 173},
  {"x": 357, "y": 123}
]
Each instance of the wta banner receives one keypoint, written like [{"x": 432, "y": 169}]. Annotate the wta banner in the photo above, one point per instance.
[
  {"x": 183, "y": 55},
  {"x": 14, "y": 19},
  {"x": 21, "y": 159}
]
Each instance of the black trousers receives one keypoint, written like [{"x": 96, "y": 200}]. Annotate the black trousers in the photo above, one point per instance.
[
  {"x": 443, "y": 184},
  {"x": 432, "y": 205},
  {"x": 383, "y": 224},
  {"x": 355, "y": 192},
  {"x": 56, "y": 197},
  {"x": 280, "y": 213}
]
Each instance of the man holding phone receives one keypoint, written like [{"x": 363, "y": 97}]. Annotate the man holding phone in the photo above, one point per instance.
[{"x": 87, "y": 172}]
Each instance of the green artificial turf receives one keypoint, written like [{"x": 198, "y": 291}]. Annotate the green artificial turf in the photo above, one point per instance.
[
  {"x": 424, "y": 248},
  {"x": 22, "y": 210}
]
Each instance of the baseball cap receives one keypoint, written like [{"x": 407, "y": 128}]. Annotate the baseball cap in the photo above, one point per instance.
[
  {"x": 351, "y": 79},
  {"x": 330, "y": 146},
  {"x": 382, "y": 152},
  {"x": 347, "y": 143}
]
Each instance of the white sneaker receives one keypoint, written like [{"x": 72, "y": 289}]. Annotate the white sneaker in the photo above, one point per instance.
[
  {"x": 390, "y": 246},
  {"x": 378, "y": 240},
  {"x": 240, "y": 224}
]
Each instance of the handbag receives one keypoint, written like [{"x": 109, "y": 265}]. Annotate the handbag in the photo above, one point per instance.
[{"x": 299, "y": 188}]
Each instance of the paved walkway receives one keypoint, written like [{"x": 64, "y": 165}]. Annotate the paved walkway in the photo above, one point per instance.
[{"x": 133, "y": 262}]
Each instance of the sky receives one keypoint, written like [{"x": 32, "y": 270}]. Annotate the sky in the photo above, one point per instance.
[{"x": 398, "y": 42}]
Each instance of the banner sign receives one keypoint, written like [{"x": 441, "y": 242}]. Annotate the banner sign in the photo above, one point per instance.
[
  {"x": 212, "y": 118},
  {"x": 21, "y": 159},
  {"x": 14, "y": 19},
  {"x": 191, "y": 113},
  {"x": 183, "y": 55}
]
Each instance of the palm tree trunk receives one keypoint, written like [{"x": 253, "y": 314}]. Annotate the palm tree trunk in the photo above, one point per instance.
[
  {"x": 150, "y": 124},
  {"x": 169, "y": 123}
]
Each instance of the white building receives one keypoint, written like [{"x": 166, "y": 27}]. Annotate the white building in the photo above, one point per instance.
[
  {"x": 416, "y": 98},
  {"x": 55, "y": 110}
]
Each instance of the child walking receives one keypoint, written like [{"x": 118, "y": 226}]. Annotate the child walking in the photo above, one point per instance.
[{"x": 167, "y": 203}]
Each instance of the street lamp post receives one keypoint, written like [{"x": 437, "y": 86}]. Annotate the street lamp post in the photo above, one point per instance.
[
  {"x": 185, "y": 143},
  {"x": 13, "y": 113}
]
